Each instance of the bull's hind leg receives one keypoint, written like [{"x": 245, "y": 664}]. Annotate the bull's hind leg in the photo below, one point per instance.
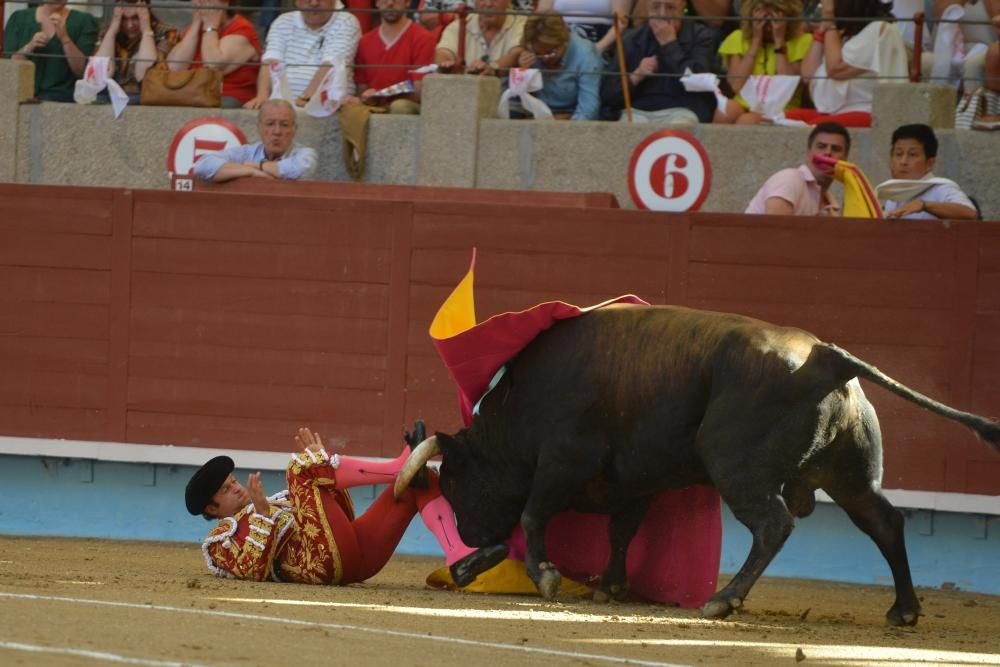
[
  {"x": 872, "y": 513},
  {"x": 621, "y": 529},
  {"x": 770, "y": 523}
]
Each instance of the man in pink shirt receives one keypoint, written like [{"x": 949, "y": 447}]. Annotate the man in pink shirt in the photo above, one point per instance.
[{"x": 805, "y": 190}]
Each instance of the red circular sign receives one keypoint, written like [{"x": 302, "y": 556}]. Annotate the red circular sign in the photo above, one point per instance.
[
  {"x": 669, "y": 171},
  {"x": 199, "y": 136}
]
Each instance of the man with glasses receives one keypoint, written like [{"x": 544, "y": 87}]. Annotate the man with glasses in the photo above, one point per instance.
[
  {"x": 656, "y": 56},
  {"x": 570, "y": 66},
  {"x": 490, "y": 38},
  {"x": 308, "y": 41}
]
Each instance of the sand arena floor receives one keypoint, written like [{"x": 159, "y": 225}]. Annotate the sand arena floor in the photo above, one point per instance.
[{"x": 86, "y": 602}]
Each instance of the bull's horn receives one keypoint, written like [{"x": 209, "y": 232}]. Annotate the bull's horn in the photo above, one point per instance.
[{"x": 418, "y": 458}]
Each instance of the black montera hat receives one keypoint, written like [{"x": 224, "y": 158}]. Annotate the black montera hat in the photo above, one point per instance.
[{"x": 206, "y": 483}]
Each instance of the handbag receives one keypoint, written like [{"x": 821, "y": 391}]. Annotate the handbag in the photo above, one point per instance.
[{"x": 200, "y": 87}]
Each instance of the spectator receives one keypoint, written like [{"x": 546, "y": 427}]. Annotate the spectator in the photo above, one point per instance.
[
  {"x": 489, "y": 39},
  {"x": 847, "y": 59},
  {"x": 915, "y": 192},
  {"x": 763, "y": 46},
  {"x": 656, "y": 55},
  {"x": 435, "y": 15},
  {"x": 590, "y": 19},
  {"x": 387, "y": 54},
  {"x": 570, "y": 65},
  {"x": 57, "y": 40},
  {"x": 992, "y": 60},
  {"x": 977, "y": 36},
  {"x": 308, "y": 41},
  {"x": 274, "y": 156},
  {"x": 223, "y": 40},
  {"x": 805, "y": 190},
  {"x": 135, "y": 40}
]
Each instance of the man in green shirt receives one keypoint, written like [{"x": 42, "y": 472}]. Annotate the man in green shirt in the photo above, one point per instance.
[{"x": 58, "y": 40}]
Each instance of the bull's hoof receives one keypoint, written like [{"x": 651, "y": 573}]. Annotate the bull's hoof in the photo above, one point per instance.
[
  {"x": 548, "y": 580},
  {"x": 604, "y": 594},
  {"x": 720, "y": 608},
  {"x": 902, "y": 617}
]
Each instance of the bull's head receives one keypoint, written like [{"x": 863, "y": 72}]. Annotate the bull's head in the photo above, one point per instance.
[{"x": 487, "y": 499}]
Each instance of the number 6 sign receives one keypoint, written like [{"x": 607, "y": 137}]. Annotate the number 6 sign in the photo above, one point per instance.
[{"x": 669, "y": 171}]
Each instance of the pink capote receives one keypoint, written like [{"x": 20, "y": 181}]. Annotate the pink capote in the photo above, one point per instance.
[{"x": 674, "y": 557}]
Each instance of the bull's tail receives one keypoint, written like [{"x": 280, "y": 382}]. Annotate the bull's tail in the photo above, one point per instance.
[{"x": 986, "y": 429}]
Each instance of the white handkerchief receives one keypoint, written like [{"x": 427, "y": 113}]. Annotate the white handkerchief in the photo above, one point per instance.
[
  {"x": 96, "y": 79},
  {"x": 706, "y": 82},
  {"x": 331, "y": 93},
  {"x": 521, "y": 83}
]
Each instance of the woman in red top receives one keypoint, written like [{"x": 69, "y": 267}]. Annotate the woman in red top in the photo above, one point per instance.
[{"x": 224, "y": 40}]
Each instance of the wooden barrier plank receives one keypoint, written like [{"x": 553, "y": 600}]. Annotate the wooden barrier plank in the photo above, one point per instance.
[
  {"x": 199, "y": 361},
  {"x": 847, "y": 326},
  {"x": 53, "y": 320},
  {"x": 318, "y": 261},
  {"x": 53, "y": 389},
  {"x": 449, "y": 226},
  {"x": 394, "y": 418},
  {"x": 55, "y": 285},
  {"x": 934, "y": 289},
  {"x": 40, "y": 421},
  {"x": 546, "y": 272},
  {"x": 74, "y": 355},
  {"x": 32, "y": 208},
  {"x": 261, "y": 295},
  {"x": 817, "y": 244},
  {"x": 62, "y": 250},
  {"x": 293, "y": 332},
  {"x": 230, "y": 399},
  {"x": 247, "y": 218},
  {"x": 258, "y": 434},
  {"x": 119, "y": 334},
  {"x": 409, "y": 193}
]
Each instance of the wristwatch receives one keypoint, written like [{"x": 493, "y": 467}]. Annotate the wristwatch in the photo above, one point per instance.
[
  {"x": 148, "y": 33},
  {"x": 780, "y": 50},
  {"x": 923, "y": 206},
  {"x": 209, "y": 29}
]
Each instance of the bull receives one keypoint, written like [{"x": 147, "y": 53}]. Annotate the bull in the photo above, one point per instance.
[{"x": 602, "y": 412}]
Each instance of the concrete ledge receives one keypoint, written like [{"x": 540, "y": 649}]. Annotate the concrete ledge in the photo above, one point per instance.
[
  {"x": 456, "y": 142},
  {"x": 257, "y": 460}
]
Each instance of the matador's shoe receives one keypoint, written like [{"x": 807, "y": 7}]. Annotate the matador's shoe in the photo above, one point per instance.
[{"x": 465, "y": 571}]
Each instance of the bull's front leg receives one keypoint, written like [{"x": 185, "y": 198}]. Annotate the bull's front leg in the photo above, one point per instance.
[
  {"x": 621, "y": 529},
  {"x": 544, "y": 574}
]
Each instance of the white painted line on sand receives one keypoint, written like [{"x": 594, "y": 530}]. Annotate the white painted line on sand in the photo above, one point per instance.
[
  {"x": 350, "y": 628},
  {"x": 95, "y": 655}
]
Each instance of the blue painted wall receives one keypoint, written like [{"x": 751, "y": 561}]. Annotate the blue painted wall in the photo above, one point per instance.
[{"x": 81, "y": 498}]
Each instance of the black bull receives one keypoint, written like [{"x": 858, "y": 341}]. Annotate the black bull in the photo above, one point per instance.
[{"x": 601, "y": 412}]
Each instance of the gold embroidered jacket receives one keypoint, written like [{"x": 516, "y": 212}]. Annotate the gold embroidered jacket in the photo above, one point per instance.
[{"x": 295, "y": 540}]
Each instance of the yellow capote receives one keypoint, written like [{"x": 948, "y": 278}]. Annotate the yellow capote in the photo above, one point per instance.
[{"x": 859, "y": 195}]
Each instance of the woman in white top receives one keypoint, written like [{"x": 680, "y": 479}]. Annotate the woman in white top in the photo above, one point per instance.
[
  {"x": 591, "y": 19},
  {"x": 846, "y": 60}
]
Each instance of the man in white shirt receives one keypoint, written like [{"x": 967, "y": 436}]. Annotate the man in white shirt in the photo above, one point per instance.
[
  {"x": 914, "y": 192},
  {"x": 308, "y": 42},
  {"x": 489, "y": 39}
]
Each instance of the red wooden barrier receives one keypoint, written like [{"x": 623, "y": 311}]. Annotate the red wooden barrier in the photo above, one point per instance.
[{"x": 223, "y": 320}]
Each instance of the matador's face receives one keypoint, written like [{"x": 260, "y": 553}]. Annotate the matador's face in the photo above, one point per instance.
[{"x": 229, "y": 499}]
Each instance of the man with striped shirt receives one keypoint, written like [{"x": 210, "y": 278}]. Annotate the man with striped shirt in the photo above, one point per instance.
[{"x": 308, "y": 42}]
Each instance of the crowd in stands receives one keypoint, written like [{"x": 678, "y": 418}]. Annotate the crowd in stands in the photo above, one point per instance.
[{"x": 828, "y": 54}]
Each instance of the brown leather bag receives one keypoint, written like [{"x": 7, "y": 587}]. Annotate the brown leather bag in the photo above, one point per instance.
[{"x": 200, "y": 87}]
